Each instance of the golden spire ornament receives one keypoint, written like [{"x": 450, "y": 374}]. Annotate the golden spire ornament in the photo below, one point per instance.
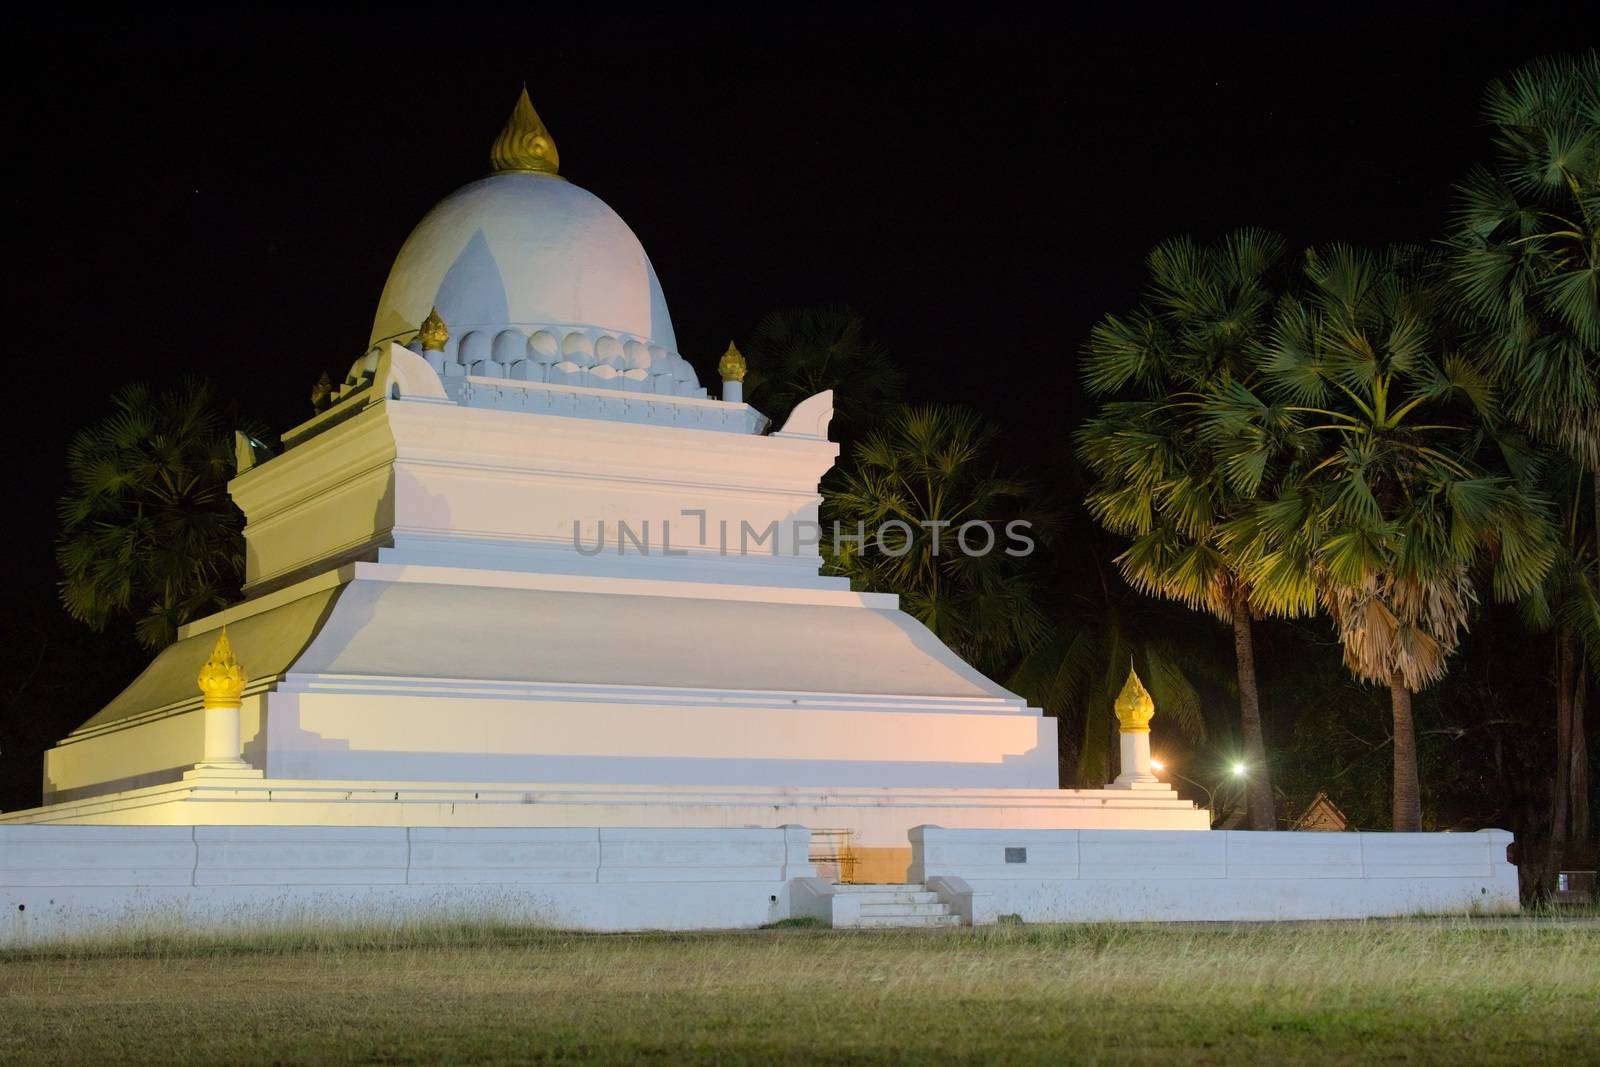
[
  {"x": 1134, "y": 707},
  {"x": 524, "y": 145},
  {"x": 732, "y": 366},
  {"x": 433, "y": 333},
  {"x": 222, "y": 680}
]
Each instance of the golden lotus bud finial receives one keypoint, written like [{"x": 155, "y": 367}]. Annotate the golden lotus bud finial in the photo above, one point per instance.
[
  {"x": 524, "y": 145},
  {"x": 1134, "y": 707},
  {"x": 433, "y": 333},
  {"x": 222, "y": 680},
  {"x": 732, "y": 366}
]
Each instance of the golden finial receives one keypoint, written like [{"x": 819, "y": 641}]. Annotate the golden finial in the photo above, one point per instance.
[
  {"x": 322, "y": 393},
  {"x": 731, "y": 366},
  {"x": 524, "y": 145},
  {"x": 1134, "y": 707},
  {"x": 433, "y": 333},
  {"x": 222, "y": 680}
]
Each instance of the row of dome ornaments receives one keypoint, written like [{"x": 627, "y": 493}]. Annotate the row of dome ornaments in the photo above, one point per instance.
[{"x": 600, "y": 361}]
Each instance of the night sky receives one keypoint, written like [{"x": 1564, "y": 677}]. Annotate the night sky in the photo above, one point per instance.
[{"x": 228, "y": 200}]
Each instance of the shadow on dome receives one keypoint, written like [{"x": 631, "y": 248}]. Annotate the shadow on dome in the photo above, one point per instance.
[{"x": 473, "y": 292}]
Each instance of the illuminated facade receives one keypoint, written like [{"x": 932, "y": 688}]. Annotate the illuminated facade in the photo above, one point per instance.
[
  {"x": 535, "y": 629},
  {"x": 521, "y": 569}
]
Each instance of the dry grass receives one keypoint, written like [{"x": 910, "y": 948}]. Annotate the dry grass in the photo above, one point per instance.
[{"x": 1420, "y": 991}]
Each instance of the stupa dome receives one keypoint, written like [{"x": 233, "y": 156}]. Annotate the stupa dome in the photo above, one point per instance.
[{"x": 523, "y": 264}]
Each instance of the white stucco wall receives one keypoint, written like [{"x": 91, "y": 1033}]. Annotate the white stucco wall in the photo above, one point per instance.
[
  {"x": 1157, "y": 876},
  {"x": 61, "y": 882},
  {"x": 69, "y": 881},
  {"x": 416, "y": 481}
]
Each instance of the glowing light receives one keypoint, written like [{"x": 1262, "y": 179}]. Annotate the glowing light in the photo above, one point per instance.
[
  {"x": 1238, "y": 770},
  {"x": 1158, "y": 765}
]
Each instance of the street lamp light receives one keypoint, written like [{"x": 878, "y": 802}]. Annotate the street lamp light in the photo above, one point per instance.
[{"x": 1239, "y": 770}]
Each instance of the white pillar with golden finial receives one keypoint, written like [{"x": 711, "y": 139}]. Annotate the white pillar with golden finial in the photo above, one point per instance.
[
  {"x": 222, "y": 683},
  {"x": 1134, "y": 710},
  {"x": 732, "y": 368}
]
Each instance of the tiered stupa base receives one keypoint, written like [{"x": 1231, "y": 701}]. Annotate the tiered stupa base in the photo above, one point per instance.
[{"x": 858, "y": 834}]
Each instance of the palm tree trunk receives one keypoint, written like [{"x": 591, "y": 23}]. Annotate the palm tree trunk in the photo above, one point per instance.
[
  {"x": 1578, "y": 818},
  {"x": 1567, "y": 668},
  {"x": 1407, "y": 791},
  {"x": 1258, "y": 785},
  {"x": 1581, "y": 825}
]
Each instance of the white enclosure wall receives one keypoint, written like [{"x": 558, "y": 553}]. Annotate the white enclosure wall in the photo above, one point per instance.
[
  {"x": 1154, "y": 875},
  {"x": 73, "y": 881}
]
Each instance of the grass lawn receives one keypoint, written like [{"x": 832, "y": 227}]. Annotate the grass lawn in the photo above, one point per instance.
[{"x": 1416, "y": 991}]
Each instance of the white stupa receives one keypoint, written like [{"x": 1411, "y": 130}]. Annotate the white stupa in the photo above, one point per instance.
[{"x": 433, "y": 637}]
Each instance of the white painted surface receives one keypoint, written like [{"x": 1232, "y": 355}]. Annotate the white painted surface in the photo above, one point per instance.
[
  {"x": 1136, "y": 770},
  {"x": 815, "y": 898},
  {"x": 875, "y": 818},
  {"x": 529, "y": 250},
  {"x": 893, "y": 905},
  {"x": 440, "y": 483},
  {"x": 221, "y": 745},
  {"x": 447, "y": 675},
  {"x": 850, "y": 907},
  {"x": 403, "y": 375},
  {"x": 1156, "y": 876},
  {"x": 810, "y": 418},
  {"x": 71, "y": 881},
  {"x": 68, "y": 881}
]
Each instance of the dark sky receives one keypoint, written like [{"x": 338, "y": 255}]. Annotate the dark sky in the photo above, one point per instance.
[{"x": 227, "y": 198}]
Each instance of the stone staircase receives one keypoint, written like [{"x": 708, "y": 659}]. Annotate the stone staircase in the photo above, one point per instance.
[{"x": 894, "y": 904}]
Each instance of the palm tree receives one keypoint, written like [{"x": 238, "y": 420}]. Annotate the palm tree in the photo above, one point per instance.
[
  {"x": 1161, "y": 479},
  {"x": 1568, "y": 603},
  {"x": 931, "y": 468},
  {"x": 1525, "y": 259},
  {"x": 799, "y": 353},
  {"x": 1525, "y": 249},
  {"x": 1572, "y": 589},
  {"x": 1402, "y": 488},
  {"x": 147, "y": 529}
]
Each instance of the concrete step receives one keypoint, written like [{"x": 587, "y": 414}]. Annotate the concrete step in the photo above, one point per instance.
[
  {"x": 879, "y": 887},
  {"x": 909, "y": 921},
  {"x": 907, "y": 906},
  {"x": 930, "y": 907},
  {"x": 896, "y": 898}
]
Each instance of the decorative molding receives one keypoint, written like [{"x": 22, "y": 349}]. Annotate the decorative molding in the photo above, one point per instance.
[
  {"x": 810, "y": 417},
  {"x": 404, "y": 375}
]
